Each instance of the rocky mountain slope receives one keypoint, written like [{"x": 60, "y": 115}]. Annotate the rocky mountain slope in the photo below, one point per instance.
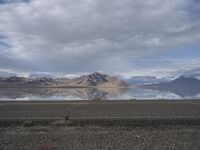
[{"x": 92, "y": 80}]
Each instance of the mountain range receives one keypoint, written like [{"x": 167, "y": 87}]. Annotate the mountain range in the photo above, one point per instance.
[
  {"x": 92, "y": 80},
  {"x": 182, "y": 86}
]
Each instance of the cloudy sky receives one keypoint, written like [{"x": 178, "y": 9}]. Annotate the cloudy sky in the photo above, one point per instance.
[{"x": 126, "y": 37}]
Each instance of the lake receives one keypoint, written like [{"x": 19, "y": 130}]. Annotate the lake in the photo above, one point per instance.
[{"x": 90, "y": 94}]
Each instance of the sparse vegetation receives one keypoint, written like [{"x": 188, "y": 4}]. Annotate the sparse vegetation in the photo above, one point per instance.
[
  {"x": 28, "y": 123},
  {"x": 97, "y": 99}
]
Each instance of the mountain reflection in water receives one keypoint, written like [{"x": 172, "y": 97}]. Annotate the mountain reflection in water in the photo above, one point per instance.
[
  {"x": 88, "y": 94},
  {"x": 60, "y": 93}
]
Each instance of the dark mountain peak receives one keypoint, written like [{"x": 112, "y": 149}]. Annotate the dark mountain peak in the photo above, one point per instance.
[
  {"x": 186, "y": 78},
  {"x": 15, "y": 78},
  {"x": 183, "y": 79},
  {"x": 97, "y": 76},
  {"x": 93, "y": 79},
  {"x": 182, "y": 86},
  {"x": 99, "y": 79},
  {"x": 43, "y": 79}
]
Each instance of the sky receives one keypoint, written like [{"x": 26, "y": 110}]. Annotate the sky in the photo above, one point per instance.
[{"x": 122, "y": 37}]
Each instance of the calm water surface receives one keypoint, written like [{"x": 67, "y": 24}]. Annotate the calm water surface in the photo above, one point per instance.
[{"x": 90, "y": 94}]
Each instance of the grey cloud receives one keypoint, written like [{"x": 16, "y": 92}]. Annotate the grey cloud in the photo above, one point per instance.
[
  {"x": 6, "y": 74},
  {"x": 90, "y": 35},
  {"x": 195, "y": 72}
]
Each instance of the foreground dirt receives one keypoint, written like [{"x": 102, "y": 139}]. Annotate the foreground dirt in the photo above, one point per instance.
[
  {"x": 100, "y": 138},
  {"x": 20, "y": 128}
]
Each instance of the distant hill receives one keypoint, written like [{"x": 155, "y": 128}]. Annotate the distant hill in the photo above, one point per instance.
[
  {"x": 92, "y": 80},
  {"x": 101, "y": 80},
  {"x": 182, "y": 86},
  {"x": 21, "y": 81}
]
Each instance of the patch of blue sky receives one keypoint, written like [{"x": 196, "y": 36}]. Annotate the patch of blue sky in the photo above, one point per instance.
[
  {"x": 3, "y": 43},
  {"x": 168, "y": 57},
  {"x": 194, "y": 9},
  {"x": 13, "y": 1},
  {"x": 186, "y": 52}
]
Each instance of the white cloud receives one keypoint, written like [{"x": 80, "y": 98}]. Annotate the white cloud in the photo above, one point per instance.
[
  {"x": 88, "y": 35},
  {"x": 72, "y": 76}
]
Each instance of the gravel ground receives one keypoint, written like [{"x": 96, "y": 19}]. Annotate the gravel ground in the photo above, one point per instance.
[
  {"x": 93, "y": 137},
  {"x": 100, "y": 138}
]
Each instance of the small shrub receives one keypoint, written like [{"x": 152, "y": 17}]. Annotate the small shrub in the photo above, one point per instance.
[
  {"x": 66, "y": 118},
  {"x": 97, "y": 99},
  {"x": 27, "y": 123}
]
